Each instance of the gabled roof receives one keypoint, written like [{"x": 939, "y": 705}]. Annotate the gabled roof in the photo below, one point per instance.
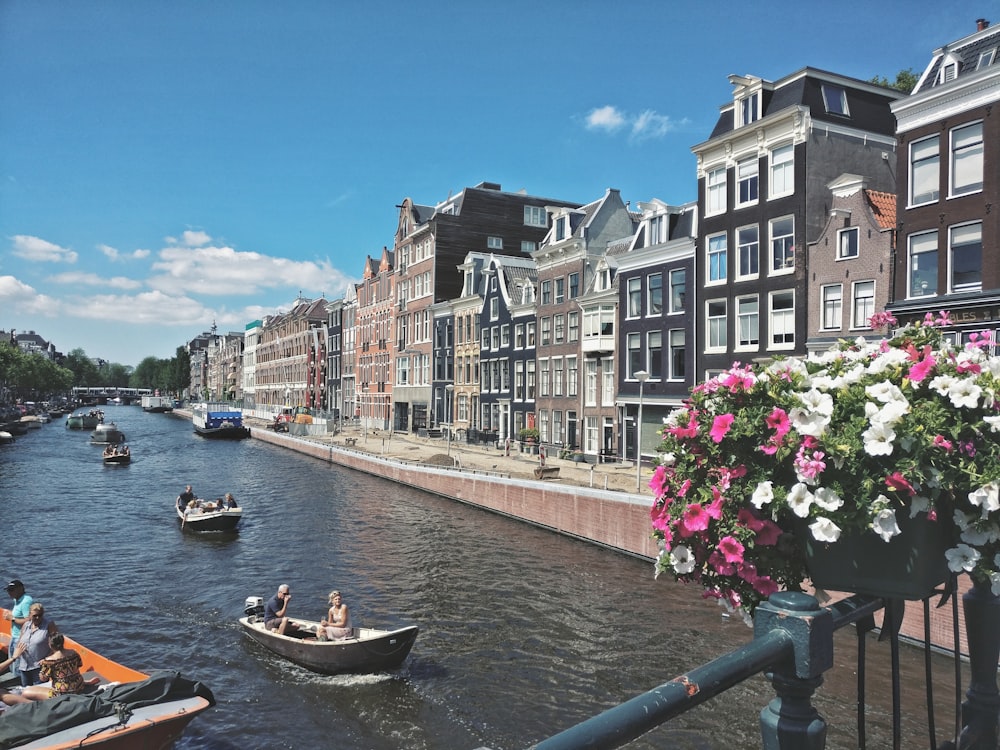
[
  {"x": 968, "y": 53},
  {"x": 883, "y": 207}
]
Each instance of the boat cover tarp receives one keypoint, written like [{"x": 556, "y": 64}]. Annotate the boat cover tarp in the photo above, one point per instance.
[{"x": 26, "y": 722}]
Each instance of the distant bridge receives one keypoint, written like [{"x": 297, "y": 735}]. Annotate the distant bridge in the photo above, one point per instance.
[{"x": 101, "y": 394}]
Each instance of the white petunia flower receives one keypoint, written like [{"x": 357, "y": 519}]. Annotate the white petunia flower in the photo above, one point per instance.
[
  {"x": 965, "y": 393},
  {"x": 919, "y": 504},
  {"x": 962, "y": 557},
  {"x": 884, "y": 392},
  {"x": 894, "y": 411},
  {"x": 878, "y": 439},
  {"x": 986, "y": 497},
  {"x": 942, "y": 384},
  {"x": 827, "y": 499},
  {"x": 824, "y": 530},
  {"x": 808, "y": 423},
  {"x": 762, "y": 495},
  {"x": 884, "y": 524},
  {"x": 682, "y": 559},
  {"x": 799, "y": 500},
  {"x": 815, "y": 401},
  {"x": 995, "y": 583}
]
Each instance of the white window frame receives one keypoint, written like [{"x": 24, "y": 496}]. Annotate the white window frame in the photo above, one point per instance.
[
  {"x": 921, "y": 244},
  {"x": 835, "y": 99},
  {"x": 633, "y": 297},
  {"x": 750, "y": 269},
  {"x": 925, "y": 156},
  {"x": 966, "y": 155},
  {"x": 716, "y": 325},
  {"x": 747, "y": 323},
  {"x": 678, "y": 299},
  {"x": 654, "y": 295},
  {"x": 717, "y": 257},
  {"x": 781, "y": 320},
  {"x": 786, "y": 250},
  {"x": 716, "y": 195},
  {"x": 831, "y": 307},
  {"x": 782, "y": 180},
  {"x": 862, "y": 303},
  {"x": 843, "y": 236},
  {"x": 970, "y": 230},
  {"x": 654, "y": 354},
  {"x": 676, "y": 340},
  {"x": 536, "y": 216},
  {"x": 748, "y": 172}
]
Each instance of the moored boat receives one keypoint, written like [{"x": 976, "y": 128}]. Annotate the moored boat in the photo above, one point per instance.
[
  {"x": 157, "y": 404},
  {"x": 203, "y": 515},
  {"x": 128, "y": 709},
  {"x": 6, "y": 438},
  {"x": 219, "y": 421},
  {"x": 85, "y": 420},
  {"x": 366, "y": 650}
]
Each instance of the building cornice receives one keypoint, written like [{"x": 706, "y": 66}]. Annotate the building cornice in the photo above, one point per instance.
[{"x": 940, "y": 102}]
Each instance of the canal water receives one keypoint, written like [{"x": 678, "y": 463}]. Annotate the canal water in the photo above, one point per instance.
[{"x": 522, "y": 632}]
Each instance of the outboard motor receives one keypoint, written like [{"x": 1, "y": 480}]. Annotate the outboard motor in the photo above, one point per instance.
[{"x": 254, "y": 608}]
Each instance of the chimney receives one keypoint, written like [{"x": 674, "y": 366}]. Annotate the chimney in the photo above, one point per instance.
[{"x": 982, "y": 23}]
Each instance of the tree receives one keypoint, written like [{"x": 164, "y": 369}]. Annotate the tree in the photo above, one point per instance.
[
  {"x": 906, "y": 81},
  {"x": 85, "y": 372}
]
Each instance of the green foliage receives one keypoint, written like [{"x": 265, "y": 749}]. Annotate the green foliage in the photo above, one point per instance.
[
  {"x": 906, "y": 81},
  {"x": 528, "y": 433},
  {"x": 31, "y": 377}
]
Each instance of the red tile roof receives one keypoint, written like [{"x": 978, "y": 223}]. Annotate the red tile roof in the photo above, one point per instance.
[{"x": 883, "y": 207}]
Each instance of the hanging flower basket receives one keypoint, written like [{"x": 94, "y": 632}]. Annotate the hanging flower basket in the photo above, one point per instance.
[{"x": 908, "y": 566}]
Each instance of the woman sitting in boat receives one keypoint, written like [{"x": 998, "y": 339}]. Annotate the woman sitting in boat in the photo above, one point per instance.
[
  {"x": 62, "y": 667},
  {"x": 230, "y": 502},
  {"x": 337, "y": 623}
]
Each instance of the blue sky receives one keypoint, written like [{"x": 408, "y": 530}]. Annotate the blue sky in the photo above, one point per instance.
[{"x": 164, "y": 165}]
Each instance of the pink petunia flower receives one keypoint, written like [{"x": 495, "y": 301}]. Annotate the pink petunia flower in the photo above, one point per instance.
[
  {"x": 720, "y": 426},
  {"x": 732, "y": 549}
]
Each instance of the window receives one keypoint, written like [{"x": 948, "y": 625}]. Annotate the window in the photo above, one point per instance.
[
  {"x": 505, "y": 336},
  {"x": 531, "y": 334},
  {"x": 560, "y": 290},
  {"x": 531, "y": 380},
  {"x": 485, "y": 340},
  {"x": 562, "y": 228},
  {"x": 676, "y": 354},
  {"x": 656, "y": 231},
  {"x": 986, "y": 58},
  {"x": 559, "y": 328},
  {"x": 607, "y": 381},
  {"x": 924, "y": 171},
  {"x": 590, "y": 382},
  {"x": 832, "y": 301},
  {"x": 634, "y": 355},
  {"x": 654, "y": 354},
  {"x": 923, "y": 264},
  {"x": 495, "y": 338},
  {"x": 715, "y": 192},
  {"x": 949, "y": 71},
  {"x": 573, "y": 324},
  {"x": 494, "y": 308},
  {"x": 528, "y": 247},
  {"x": 847, "y": 243},
  {"x": 519, "y": 336},
  {"x": 572, "y": 377},
  {"x": 717, "y": 324},
  {"x": 557, "y": 426},
  {"x": 634, "y": 297},
  {"x": 782, "y": 244},
  {"x": 835, "y": 100},
  {"x": 574, "y": 285},
  {"x": 717, "y": 258},
  {"x": 749, "y": 109},
  {"x": 654, "y": 294},
  {"x": 519, "y": 380},
  {"x": 535, "y": 216},
  {"x": 546, "y": 332},
  {"x": 864, "y": 303},
  {"x": 557, "y": 376},
  {"x": 547, "y": 292},
  {"x": 967, "y": 159},
  {"x": 746, "y": 179},
  {"x": 747, "y": 252},
  {"x": 678, "y": 280},
  {"x": 402, "y": 371},
  {"x": 748, "y": 322},
  {"x": 966, "y": 259},
  {"x": 494, "y": 243},
  {"x": 783, "y": 320},
  {"x": 543, "y": 377},
  {"x": 783, "y": 171}
]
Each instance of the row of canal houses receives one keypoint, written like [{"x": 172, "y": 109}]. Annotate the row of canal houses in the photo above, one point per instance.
[{"x": 821, "y": 199}]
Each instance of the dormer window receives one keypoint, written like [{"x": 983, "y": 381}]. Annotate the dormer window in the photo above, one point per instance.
[
  {"x": 949, "y": 69},
  {"x": 749, "y": 108},
  {"x": 562, "y": 225},
  {"x": 835, "y": 100},
  {"x": 986, "y": 58}
]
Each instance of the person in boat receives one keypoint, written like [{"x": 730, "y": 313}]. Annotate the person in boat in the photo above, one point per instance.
[
  {"x": 337, "y": 623},
  {"x": 230, "y": 502},
  {"x": 35, "y": 638},
  {"x": 185, "y": 497},
  {"x": 19, "y": 613},
  {"x": 18, "y": 650},
  {"x": 275, "y": 612},
  {"x": 62, "y": 667}
]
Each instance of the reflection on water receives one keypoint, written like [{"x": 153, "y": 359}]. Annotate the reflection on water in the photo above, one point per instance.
[{"x": 523, "y": 633}]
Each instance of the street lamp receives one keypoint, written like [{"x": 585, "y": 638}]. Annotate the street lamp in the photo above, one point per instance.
[
  {"x": 642, "y": 376},
  {"x": 447, "y": 411},
  {"x": 365, "y": 409}
]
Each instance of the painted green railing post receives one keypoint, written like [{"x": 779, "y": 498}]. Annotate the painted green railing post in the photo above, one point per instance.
[
  {"x": 790, "y": 722},
  {"x": 980, "y": 710}
]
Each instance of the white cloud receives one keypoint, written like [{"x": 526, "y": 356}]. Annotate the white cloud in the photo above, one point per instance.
[
  {"x": 36, "y": 249},
  {"x": 140, "y": 254},
  {"x": 641, "y": 127},
  {"x": 81, "y": 278},
  {"x": 605, "y": 118},
  {"x": 109, "y": 251},
  {"x": 147, "y": 308},
  {"x": 16, "y": 295},
  {"x": 223, "y": 271}
]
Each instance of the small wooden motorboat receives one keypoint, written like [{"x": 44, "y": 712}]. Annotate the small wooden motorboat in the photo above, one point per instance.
[
  {"x": 207, "y": 515},
  {"x": 85, "y": 420},
  {"x": 128, "y": 709},
  {"x": 367, "y": 650},
  {"x": 115, "y": 456}
]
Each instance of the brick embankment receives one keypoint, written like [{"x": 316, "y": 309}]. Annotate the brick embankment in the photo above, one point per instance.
[{"x": 597, "y": 503}]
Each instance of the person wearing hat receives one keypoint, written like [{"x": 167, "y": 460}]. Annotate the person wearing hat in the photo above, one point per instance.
[{"x": 19, "y": 614}]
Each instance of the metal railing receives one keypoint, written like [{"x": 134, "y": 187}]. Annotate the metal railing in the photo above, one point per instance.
[{"x": 793, "y": 645}]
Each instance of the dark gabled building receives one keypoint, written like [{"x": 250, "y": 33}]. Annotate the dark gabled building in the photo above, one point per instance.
[
  {"x": 762, "y": 194},
  {"x": 430, "y": 242},
  {"x": 656, "y": 316},
  {"x": 948, "y": 255},
  {"x": 507, "y": 346}
]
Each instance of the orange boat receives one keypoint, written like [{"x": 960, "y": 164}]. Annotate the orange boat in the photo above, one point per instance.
[{"x": 128, "y": 710}]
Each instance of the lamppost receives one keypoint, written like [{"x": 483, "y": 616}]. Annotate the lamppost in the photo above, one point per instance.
[
  {"x": 365, "y": 409},
  {"x": 642, "y": 376},
  {"x": 447, "y": 411}
]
